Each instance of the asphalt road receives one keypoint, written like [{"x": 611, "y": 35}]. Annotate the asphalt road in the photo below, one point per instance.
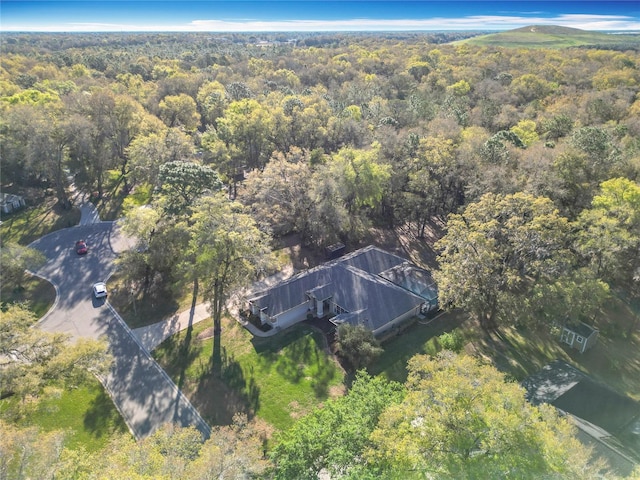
[{"x": 141, "y": 390}]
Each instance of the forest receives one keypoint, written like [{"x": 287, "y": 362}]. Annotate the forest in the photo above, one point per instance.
[{"x": 515, "y": 170}]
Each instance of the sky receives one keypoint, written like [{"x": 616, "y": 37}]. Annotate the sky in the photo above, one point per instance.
[{"x": 313, "y": 15}]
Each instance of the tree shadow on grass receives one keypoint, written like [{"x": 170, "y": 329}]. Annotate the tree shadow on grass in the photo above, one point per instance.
[
  {"x": 298, "y": 355},
  {"x": 102, "y": 418},
  {"x": 225, "y": 389}
]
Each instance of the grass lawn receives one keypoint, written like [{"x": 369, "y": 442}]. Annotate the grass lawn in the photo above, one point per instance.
[
  {"x": 419, "y": 338},
  {"x": 31, "y": 223},
  {"x": 277, "y": 379},
  {"x": 36, "y": 293},
  {"x": 145, "y": 309},
  {"x": 520, "y": 352},
  {"x": 86, "y": 413}
]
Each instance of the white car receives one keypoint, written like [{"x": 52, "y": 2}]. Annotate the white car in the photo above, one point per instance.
[{"x": 100, "y": 289}]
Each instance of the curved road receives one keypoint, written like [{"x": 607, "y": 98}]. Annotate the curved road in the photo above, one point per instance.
[{"x": 139, "y": 387}]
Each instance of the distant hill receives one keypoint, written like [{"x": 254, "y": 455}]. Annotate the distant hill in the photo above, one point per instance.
[{"x": 553, "y": 36}]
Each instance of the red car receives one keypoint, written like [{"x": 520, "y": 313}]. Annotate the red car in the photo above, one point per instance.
[{"x": 81, "y": 247}]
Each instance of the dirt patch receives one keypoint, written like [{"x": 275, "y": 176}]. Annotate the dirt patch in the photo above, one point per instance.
[
  {"x": 337, "y": 391},
  {"x": 205, "y": 334},
  {"x": 301, "y": 256}
]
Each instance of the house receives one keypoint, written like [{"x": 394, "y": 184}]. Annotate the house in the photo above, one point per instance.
[
  {"x": 606, "y": 421},
  {"x": 10, "y": 203},
  {"x": 579, "y": 336},
  {"x": 370, "y": 287}
]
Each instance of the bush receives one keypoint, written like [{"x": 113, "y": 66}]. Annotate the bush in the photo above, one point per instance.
[
  {"x": 451, "y": 341},
  {"x": 357, "y": 345}
]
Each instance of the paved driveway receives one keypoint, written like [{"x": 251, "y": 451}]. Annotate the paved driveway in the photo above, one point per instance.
[{"x": 140, "y": 389}]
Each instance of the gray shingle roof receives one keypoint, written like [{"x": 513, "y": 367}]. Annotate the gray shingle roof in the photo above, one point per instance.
[
  {"x": 581, "y": 329},
  {"x": 352, "y": 282},
  {"x": 372, "y": 260}
]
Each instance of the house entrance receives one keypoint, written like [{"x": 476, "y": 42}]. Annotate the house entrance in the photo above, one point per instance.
[{"x": 567, "y": 337}]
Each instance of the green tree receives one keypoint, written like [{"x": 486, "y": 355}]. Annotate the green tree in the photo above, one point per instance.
[
  {"x": 211, "y": 102},
  {"x": 228, "y": 248},
  {"x": 245, "y": 129},
  {"x": 461, "y": 419},
  {"x": 497, "y": 250},
  {"x": 179, "y": 110},
  {"x": 173, "y": 453},
  {"x": 93, "y": 148},
  {"x": 357, "y": 345},
  {"x": 279, "y": 194},
  {"x": 609, "y": 236},
  {"x": 334, "y": 437},
  {"x": 435, "y": 183},
  {"x": 362, "y": 180},
  {"x": 557, "y": 126},
  {"x": 147, "y": 153},
  {"x": 329, "y": 219},
  {"x": 526, "y": 132},
  {"x": 14, "y": 261},
  {"x": 27, "y": 453},
  {"x": 183, "y": 182},
  {"x": 31, "y": 359}
]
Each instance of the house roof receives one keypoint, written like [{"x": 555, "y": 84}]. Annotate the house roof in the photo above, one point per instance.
[
  {"x": 9, "y": 198},
  {"x": 371, "y": 259},
  {"x": 574, "y": 392},
  {"x": 581, "y": 329},
  {"x": 352, "y": 282},
  {"x": 414, "y": 279}
]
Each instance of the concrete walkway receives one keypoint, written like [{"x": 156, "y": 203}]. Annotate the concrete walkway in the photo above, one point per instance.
[{"x": 153, "y": 335}]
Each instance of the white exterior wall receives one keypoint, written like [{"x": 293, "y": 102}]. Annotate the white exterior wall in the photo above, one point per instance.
[
  {"x": 397, "y": 321},
  {"x": 293, "y": 316}
]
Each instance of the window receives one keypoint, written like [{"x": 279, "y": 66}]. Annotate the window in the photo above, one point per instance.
[{"x": 579, "y": 339}]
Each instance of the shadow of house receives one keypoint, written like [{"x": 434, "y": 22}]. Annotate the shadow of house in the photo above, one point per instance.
[
  {"x": 607, "y": 421},
  {"x": 369, "y": 287}
]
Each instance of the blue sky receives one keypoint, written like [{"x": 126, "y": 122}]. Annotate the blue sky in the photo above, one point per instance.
[{"x": 303, "y": 15}]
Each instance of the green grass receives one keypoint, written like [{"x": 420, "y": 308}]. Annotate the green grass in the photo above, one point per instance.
[
  {"x": 36, "y": 293},
  {"x": 86, "y": 413},
  {"x": 31, "y": 223},
  {"x": 150, "y": 307},
  {"x": 548, "y": 37},
  {"x": 277, "y": 379},
  {"x": 521, "y": 351},
  {"x": 417, "y": 339}
]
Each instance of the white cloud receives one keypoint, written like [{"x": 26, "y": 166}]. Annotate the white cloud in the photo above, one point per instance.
[{"x": 489, "y": 22}]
